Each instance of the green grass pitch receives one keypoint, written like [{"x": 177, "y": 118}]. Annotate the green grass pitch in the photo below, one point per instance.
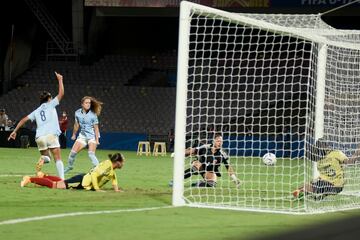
[{"x": 145, "y": 181}]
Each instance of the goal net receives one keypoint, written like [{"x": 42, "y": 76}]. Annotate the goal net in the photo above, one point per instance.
[{"x": 268, "y": 83}]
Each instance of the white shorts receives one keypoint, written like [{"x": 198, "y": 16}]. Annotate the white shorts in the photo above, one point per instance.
[
  {"x": 47, "y": 141},
  {"x": 84, "y": 140}
]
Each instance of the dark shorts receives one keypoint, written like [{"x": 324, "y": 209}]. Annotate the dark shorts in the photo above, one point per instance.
[
  {"x": 324, "y": 187},
  {"x": 75, "y": 182},
  {"x": 204, "y": 168}
]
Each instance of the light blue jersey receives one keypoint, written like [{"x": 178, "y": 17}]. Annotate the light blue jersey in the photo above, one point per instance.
[
  {"x": 86, "y": 122},
  {"x": 47, "y": 121}
]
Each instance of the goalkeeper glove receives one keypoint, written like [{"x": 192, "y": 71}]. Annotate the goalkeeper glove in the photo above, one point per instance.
[{"x": 235, "y": 180}]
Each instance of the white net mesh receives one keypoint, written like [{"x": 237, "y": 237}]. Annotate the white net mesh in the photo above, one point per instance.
[
  {"x": 308, "y": 21},
  {"x": 257, "y": 86}
]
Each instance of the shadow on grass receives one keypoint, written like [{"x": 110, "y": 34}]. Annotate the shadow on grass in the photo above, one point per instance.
[{"x": 344, "y": 229}]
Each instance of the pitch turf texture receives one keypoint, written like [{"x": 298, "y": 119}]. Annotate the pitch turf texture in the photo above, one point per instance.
[{"x": 145, "y": 181}]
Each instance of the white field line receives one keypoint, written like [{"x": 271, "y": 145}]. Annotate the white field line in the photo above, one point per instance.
[
  {"x": 73, "y": 214},
  {"x": 21, "y": 175},
  {"x": 13, "y": 175}
]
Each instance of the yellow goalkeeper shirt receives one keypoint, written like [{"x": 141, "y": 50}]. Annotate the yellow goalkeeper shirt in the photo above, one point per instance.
[
  {"x": 330, "y": 168},
  {"x": 99, "y": 176}
]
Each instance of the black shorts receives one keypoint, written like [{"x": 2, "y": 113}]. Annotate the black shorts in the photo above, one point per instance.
[
  {"x": 204, "y": 168},
  {"x": 324, "y": 187},
  {"x": 75, "y": 182}
]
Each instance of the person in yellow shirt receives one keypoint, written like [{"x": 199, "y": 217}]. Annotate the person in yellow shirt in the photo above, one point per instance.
[
  {"x": 331, "y": 174},
  {"x": 94, "y": 180}
]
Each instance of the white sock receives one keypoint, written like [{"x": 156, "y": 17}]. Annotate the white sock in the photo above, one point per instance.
[
  {"x": 93, "y": 158},
  {"x": 60, "y": 168},
  {"x": 71, "y": 160}
]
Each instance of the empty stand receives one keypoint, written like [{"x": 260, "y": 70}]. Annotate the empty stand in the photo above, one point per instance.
[{"x": 126, "y": 108}]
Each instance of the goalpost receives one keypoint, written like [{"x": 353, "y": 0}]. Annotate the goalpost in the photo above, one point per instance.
[{"x": 269, "y": 83}]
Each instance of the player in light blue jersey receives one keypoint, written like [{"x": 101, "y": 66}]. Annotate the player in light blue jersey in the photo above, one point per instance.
[
  {"x": 47, "y": 127},
  {"x": 86, "y": 118}
]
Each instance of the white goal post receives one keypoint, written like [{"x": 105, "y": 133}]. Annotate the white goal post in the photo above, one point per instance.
[{"x": 268, "y": 83}]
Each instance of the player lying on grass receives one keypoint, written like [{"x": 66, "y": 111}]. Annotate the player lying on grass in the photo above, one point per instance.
[
  {"x": 331, "y": 174},
  {"x": 94, "y": 180},
  {"x": 209, "y": 159}
]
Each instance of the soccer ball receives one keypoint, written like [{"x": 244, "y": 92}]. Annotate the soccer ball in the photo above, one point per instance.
[{"x": 269, "y": 159}]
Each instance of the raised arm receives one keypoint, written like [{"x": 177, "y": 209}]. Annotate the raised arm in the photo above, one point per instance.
[
  {"x": 61, "y": 86},
  {"x": 18, "y": 126}
]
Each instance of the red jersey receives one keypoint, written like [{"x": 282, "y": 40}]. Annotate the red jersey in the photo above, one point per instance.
[{"x": 63, "y": 123}]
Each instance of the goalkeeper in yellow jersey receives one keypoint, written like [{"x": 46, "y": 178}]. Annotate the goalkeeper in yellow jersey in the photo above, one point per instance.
[
  {"x": 331, "y": 174},
  {"x": 94, "y": 180}
]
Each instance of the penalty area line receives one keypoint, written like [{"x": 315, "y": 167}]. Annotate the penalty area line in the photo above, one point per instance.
[{"x": 74, "y": 214}]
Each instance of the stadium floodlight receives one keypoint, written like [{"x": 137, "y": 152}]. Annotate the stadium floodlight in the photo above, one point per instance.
[{"x": 270, "y": 83}]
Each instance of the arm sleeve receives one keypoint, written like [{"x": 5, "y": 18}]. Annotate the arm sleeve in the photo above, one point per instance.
[
  {"x": 342, "y": 157},
  {"x": 226, "y": 163},
  {"x": 54, "y": 102},
  {"x": 94, "y": 180},
  {"x": 95, "y": 120},
  {"x": 225, "y": 159},
  {"x": 98, "y": 171},
  {"x": 202, "y": 149},
  {"x": 31, "y": 116}
]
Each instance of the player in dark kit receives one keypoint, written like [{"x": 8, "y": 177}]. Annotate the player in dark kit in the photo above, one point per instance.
[{"x": 209, "y": 159}]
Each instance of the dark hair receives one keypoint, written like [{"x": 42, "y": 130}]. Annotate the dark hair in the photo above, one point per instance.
[
  {"x": 116, "y": 157},
  {"x": 44, "y": 97},
  {"x": 2, "y": 110}
]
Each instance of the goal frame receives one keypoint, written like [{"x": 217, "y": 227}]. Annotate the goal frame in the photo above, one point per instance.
[{"x": 186, "y": 9}]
